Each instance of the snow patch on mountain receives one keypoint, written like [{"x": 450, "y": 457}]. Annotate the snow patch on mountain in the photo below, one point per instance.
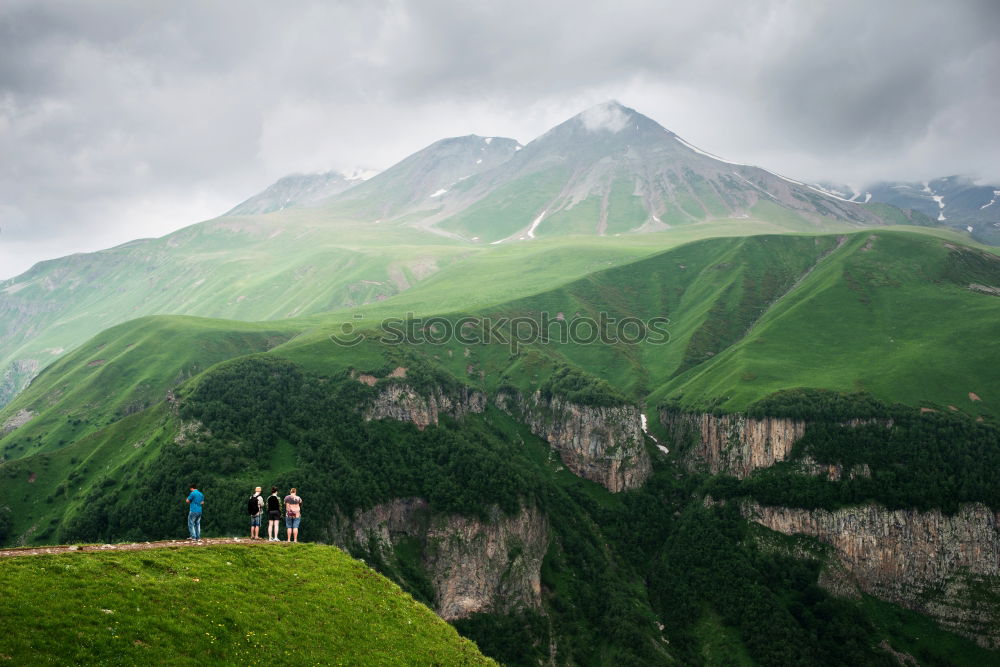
[
  {"x": 814, "y": 188},
  {"x": 707, "y": 154},
  {"x": 940, "y": 202},
  {"x": 754, "y": 185},
  {"x": 360, "y": 174},
  {"x": 996, "y": 193},
  {"x": 534, "y": 225}
]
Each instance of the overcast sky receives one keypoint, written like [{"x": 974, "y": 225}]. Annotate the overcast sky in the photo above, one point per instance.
[{"x": 122, "y": 119}]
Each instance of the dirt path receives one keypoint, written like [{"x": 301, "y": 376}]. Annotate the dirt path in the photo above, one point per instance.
[{"x": 130, "y": 546}]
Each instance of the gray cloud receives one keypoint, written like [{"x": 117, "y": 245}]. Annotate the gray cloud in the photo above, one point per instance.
[{"x": 120, "y": 120}]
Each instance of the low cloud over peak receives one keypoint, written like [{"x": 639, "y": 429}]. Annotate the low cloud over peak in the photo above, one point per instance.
[{"x": 608, "y": 116}]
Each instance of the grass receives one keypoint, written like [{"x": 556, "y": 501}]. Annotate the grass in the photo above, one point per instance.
[
  {"x": 720, "y": 644},
  {"x": 752, "y": 316},
  {"x": 879, "y": 311},
  {"x": 916, "y": 634},
  {"x": 50, "y": 487},
  {"x": 124, "y": 370},
  {"x": 509, "y": 207},
  {"x": 303, "y": 604},
  {"x": 884, "y": 320}
]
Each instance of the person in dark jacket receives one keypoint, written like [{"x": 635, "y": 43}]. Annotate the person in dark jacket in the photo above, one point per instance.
[
  {"x": 257, "y": 508},
  {"x": 273, "y": 515}
]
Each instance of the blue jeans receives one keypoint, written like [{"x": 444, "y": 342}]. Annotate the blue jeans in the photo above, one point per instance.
[{"x": 194, "y": 525}]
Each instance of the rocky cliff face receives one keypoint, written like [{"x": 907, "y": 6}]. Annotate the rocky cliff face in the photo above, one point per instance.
[
  {"x": 473, "y": 566},
  {"x": 945, "y": 566},
  {"x": 16, "y": 421},
  {"x": 401, "y": 402},
  {"x": 734, "y": 444},
  {"x": 16, "y": 377},
  {"x": 600, "y": 443}
]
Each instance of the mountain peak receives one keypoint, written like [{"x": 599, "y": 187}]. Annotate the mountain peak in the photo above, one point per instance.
[
  {"x": 297, "y": 190},
  {"x": 609, "y": 116}
]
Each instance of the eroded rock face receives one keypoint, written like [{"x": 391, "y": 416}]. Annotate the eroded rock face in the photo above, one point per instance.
[
  {"x": 401, "y": 402},
  {"x": 474, "y": 566},
  {"x": 16, "y": 377},
  {"x": 734, "y": 444},
  {"x": 600, "y": 443},
  {"x": 19, "y": 419},
  {"x": 945, "y": 566}
]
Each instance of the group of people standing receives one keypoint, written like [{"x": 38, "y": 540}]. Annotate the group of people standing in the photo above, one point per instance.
[
  {"x": 293, "y": 514},
  {"x": 256, "y": 505}
]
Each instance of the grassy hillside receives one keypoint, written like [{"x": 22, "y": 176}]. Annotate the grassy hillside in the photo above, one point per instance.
[
  {"x": 908, "y": 318},
  {"x": 892, "y": 314},
  {"x": 124, "y": 370},
  {"x": 219, "y": 604},
  {"x": 244, "y": 268},
  {"x": 257, "y": 404},
  {"x": 305, "y": 262}
]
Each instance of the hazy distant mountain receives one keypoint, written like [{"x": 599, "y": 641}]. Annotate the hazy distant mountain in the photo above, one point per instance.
[
  {"x": 295, "y": 190},
  {"x": 610, "y": 170},
  {"x": 954, "y": 201},
  {"x": 420, "y": 181}
]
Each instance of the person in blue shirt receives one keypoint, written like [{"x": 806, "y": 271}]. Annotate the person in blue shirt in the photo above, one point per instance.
[{"x": 195, "y": 499}]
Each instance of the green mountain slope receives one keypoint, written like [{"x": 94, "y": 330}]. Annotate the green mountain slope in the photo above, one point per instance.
[
  {"x": 609, "y": 171},
  {"x": 245, "y": 268},
  {"x": 882, "y": 313},
  {"x": 905, "y": 318},
  {"x": 217, "y": 604},
  {"x": 126, "y": 369}
]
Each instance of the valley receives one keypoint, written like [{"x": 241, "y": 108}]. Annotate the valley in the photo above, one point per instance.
[{"x": 796, "y": 469}]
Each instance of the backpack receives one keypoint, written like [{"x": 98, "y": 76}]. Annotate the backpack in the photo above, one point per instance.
[{"x": 253, "y": 507}]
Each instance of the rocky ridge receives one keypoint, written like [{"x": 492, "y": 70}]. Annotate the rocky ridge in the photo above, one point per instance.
[
  {"x": 734, "y": 444},
  {"x": 402, "y": 402},
  {"x": 473, "y": 565},
  {"x": 604, "y": 444},
  {"x": 20, "y": 418},
  {"x": 18, "y": 375},
  {"x": 945, "y": 566}
]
